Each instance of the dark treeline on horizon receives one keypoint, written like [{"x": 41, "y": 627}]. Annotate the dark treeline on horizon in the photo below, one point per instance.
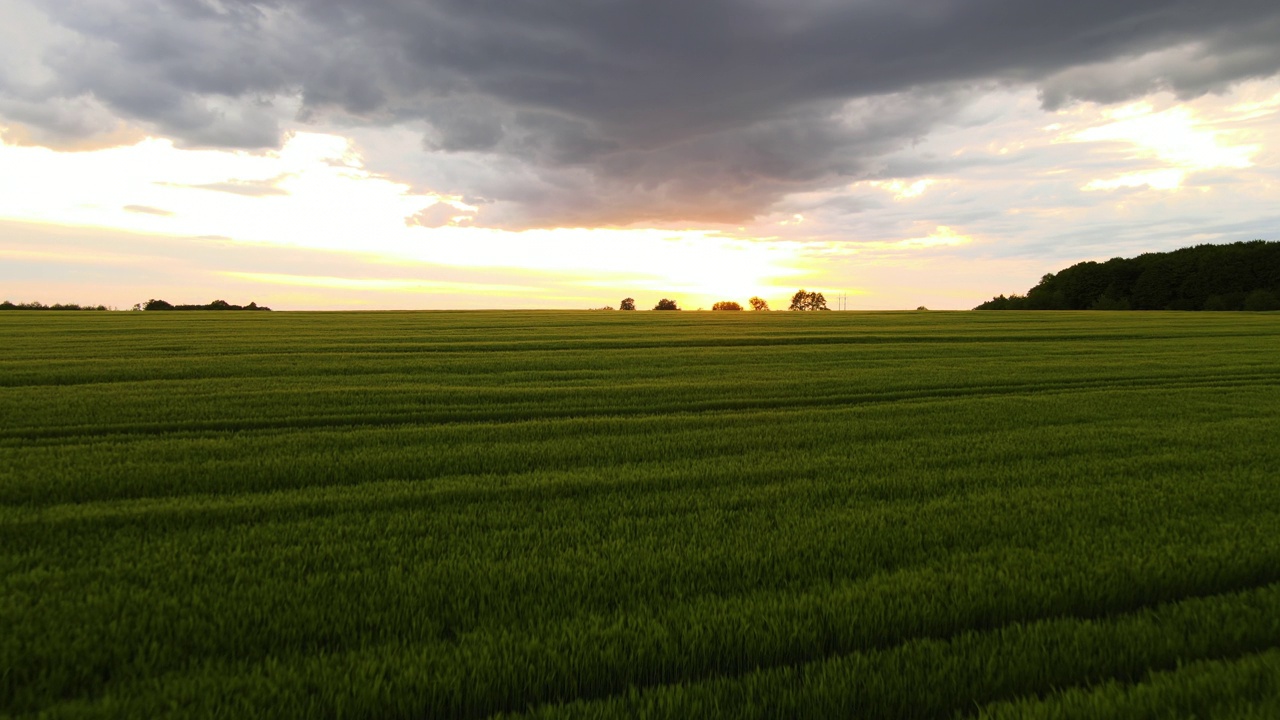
[
  {"x": 1238, "y": 276},
  {"x": 7, "y": 305},
  {"x": 148, "y": 305},
  {"x": 154, "y": 304}
]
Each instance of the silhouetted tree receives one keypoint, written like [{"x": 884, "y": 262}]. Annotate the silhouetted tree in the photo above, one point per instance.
[
  {"x": 726, "y": 305},
  {"x": 36, "y": 305},
  {"x": 808, "y": 301},
  {"x": 758, "y": 303},
  {"x": 154, "y": 304},
  {"x": 665, "y": 304},
  {"x": 1203, "y": 277},
  {"x": 627, "y": 304}
]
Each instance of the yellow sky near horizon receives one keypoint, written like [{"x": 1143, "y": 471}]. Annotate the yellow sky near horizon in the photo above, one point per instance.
[
  {"x": 353, "y": 232},
  {"x": 315, "y": 195}
]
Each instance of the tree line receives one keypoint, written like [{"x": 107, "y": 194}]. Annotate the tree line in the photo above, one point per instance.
[
  {"x": 151, "y": 304},
  {"x": 801, "y": 301},
  {"x": 7, "y": 305},
  {"x": 154, "y": 304},
  {"x": 1237, "y": 276}
]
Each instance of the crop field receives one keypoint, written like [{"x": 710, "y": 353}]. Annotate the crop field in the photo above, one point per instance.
[{"x": 643, "y": 515}]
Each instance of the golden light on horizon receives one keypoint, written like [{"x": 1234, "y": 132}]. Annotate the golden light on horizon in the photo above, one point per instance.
[{"x": 315, "y": 194}]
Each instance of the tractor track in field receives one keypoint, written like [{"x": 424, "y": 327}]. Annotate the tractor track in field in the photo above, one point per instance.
[{"x": 500, "y": 415}]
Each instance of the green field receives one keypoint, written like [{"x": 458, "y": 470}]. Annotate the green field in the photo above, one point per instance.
[{"x": 685, "y": 515}]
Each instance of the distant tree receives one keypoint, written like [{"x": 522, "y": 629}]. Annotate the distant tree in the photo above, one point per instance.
[
  {"x": 154, "y": 304},
  {"x": 999, "y": 302},
  {"x": 726, "y": 305},
  {"x": 665, "y": 304},
  {"x": 1215, "y": 302},
  {"x": 808, "y": 301},
  {"x": 922, "y": 308},
  {"x": 758, "y": 303},
  {"x": 627, "y": 304}
]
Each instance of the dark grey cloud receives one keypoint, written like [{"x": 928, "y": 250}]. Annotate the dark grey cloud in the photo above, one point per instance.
[{"x": 573, "y": 112}]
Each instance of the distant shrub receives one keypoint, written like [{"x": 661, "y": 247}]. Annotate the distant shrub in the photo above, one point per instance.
[
  {"x": 1215, "y": 303},
  {"x": 1107, "y": 302},
  {"x": 726, "y": 305},
  {"x": 759, "y": 304},
  {"x": 627, "y": 304},
  {"x": 665, "y": 304},
  {"x": 1260, "y": 300}
]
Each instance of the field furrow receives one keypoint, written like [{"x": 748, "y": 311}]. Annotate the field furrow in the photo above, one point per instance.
[{"x": 406, "y": 515}]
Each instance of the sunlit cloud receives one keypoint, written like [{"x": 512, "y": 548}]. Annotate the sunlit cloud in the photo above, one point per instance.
[
  {"x": 147, "y": 210},
  {"x": 1155, "y": 179},
  {"x": 250, "y": 188},
  {"x": 1250, "y": 110},
  {"x": 388, "y": 284},
  {"x": 1174, "y": 137},
  {"x": 942, "y": 236},
  {"x": 903, "y": 189},
  {"x": 106, "y": 187}
]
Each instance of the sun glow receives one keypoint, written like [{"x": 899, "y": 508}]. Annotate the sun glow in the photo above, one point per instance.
[{"x": 315, "y": 195}]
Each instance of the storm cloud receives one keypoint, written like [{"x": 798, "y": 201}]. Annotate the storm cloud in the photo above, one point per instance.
[{"x": 608, "y": 113}]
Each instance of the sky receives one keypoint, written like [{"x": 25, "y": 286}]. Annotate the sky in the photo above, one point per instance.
[{"x": 439, "y": 154}]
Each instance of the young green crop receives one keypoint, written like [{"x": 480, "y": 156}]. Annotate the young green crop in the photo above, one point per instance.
[{"x": 634, "y": 514}]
